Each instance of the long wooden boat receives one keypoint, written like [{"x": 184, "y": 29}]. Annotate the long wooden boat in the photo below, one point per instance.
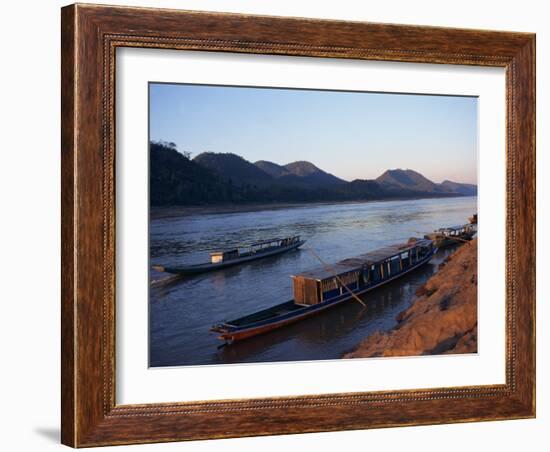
[
  {"x": 452, "y": 235},
  {"x": 331, "y": 285},
  {"x": 239, "y": 255}
]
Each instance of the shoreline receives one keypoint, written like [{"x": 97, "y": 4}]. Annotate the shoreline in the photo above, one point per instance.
[
  {"x": 159, "y": 212},
  {"x": 442, "y": 318}
]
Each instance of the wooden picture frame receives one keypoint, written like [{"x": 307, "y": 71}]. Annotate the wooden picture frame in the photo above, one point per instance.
[{"x": 90, "y": 36}]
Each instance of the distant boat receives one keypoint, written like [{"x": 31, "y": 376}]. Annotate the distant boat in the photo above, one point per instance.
[
  {"x": 452, "y": 235},
  {"x": 331, "y": 285},
  {"x": 238, "y": 255}
]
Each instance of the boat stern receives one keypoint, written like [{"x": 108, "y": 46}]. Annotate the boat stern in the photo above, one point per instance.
[
  {"x": 224, "y": 330},
  {"x": 219, "y": 328}
]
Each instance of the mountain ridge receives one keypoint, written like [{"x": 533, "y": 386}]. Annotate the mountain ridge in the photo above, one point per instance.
[
  {"x": 413, "y": 180},
  {"x": 233, "y": 167},
  {"x": 459, "y": 187},
  {"x": 312, "y": 173},
  {"x": 218, "y": 178},
  {"x": 272, "y": 169},
  {"x": 407, "y": 178}
]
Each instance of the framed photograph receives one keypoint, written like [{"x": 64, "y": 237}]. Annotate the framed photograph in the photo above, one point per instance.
[{"x": 282, "y": 225}]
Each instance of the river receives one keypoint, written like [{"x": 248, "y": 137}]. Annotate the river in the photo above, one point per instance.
[{"x": 181, "y": 310}]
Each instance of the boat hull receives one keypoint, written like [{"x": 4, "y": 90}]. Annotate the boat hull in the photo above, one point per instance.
[
  {"x": 231, "y": 334},
  {"x": 207, "y": 267},
  {"x": 443, "y": 242}
]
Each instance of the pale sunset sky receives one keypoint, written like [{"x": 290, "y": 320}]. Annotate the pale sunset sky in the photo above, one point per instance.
[{"x": 353, "y": 135}]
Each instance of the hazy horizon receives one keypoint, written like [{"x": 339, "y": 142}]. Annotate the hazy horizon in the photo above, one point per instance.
[{"x": 353, "y": 135}]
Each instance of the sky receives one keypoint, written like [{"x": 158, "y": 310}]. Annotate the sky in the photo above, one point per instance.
[{"x": 353, "y": 135}]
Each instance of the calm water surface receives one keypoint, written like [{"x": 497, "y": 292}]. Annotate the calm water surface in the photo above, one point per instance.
[{"x": 181, "y": 310}]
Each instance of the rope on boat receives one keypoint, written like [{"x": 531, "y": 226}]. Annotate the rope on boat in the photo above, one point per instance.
[{"x": 331, "y": 270}]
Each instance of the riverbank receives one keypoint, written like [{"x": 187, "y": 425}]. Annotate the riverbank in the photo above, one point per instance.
[
  {"x": 182, "y": 313},
  {"x": 442, "y": 320},
  {"x": 159, "y": 212}
]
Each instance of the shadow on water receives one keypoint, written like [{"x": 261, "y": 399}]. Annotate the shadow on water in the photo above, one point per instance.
[
  {"x": 182, "y": 309},
  {"x": 162, "y": 286}
]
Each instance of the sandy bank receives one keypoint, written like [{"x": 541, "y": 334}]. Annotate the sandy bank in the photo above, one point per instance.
[{"x": 443, "y": 318}]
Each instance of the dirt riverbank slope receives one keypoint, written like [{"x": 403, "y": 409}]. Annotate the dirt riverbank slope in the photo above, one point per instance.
[{"x": 443, "y": 318}]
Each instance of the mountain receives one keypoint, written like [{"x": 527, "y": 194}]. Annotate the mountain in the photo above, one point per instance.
[
  {"x": 174, "y": 179},
  {"x": 309, "y": 172},
  {"x": 234, "y": 168},
  {"x": 211, "y": 178},
  {"x": 239, "y": 171},
  {"x": 459, "y": 188},
  {"x": 299, "y": 174},
  {"x": 366, "y": 189},
  {"x": 411, "y": 180},
  {"x": 408, "y": 180},
  {"x": 272, "y": 169}
]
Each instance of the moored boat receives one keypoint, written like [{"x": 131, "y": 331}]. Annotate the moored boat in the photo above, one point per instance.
[
  {"x": 238, "y": 255},
  {"x": 452, "y": 235},
  {"x": 331, "y": 285}
]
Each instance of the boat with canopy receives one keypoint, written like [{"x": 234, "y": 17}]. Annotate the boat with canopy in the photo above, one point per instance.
[
  {"x": 238, "y": 255},
  {"x": 330, "y": 285},
  {"x": 452, "y": 235}
]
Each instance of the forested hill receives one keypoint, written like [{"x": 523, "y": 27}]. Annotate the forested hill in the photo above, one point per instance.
[{"x": 216, "y": 178}]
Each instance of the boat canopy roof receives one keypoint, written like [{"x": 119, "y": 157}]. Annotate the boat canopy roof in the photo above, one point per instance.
[
  {"x": 294, "y": 239},
  {"x": 454, "y": 228},
  {"x": 264, "y": 242},
  {"x": 355, "y": 263}
]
